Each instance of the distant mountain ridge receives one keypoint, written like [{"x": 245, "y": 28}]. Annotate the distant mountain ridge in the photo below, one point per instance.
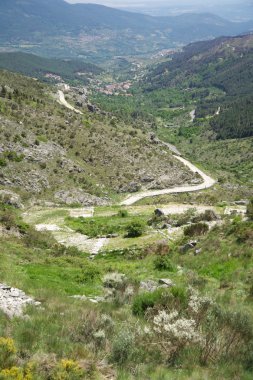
[{"x": 33, "y": 21}]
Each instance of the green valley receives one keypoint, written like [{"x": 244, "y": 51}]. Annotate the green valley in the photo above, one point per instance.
[{"x": 126, "y": 202}]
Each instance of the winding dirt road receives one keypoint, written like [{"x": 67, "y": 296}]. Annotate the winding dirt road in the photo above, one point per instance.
[
  {"x": 130, "y": 200},
  {"x": 64, "y": 102},
  {"x": 207, "y": 182}
]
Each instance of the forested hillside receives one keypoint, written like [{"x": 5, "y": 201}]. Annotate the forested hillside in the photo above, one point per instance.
[
  {"x": 225, "y": 64},
  {"x": 40, "y": 67}
]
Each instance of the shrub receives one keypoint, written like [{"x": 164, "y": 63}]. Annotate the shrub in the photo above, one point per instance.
[
  {"x": 180, "y": 295},
  {"x": 90, "y": 273},
  {"x": 163, "y": 263},
  {"x": 196, "y": 229},
  {"x": 33, "y": 238},
  {"x": 3, "y": 162},
  {"x": 185, "y": 217},
  {"x": 146, "y": 300},
  {"x": 174, "y": 332},
  {"x": 244, "y": 232},
  {"x": 43, "y": 165},
  {"x": 15, "y": 373},
  {"x": 135, "y": 229},
  {"x": 228, "y": 336},
  {"x": 8, "y": 219},
  {"x": 158, "y": 248},
  {"x": 250, "y": 210},
  {"x": 68, "y": 370},
  {"x": 13, "y": 156},
  {"x": 123, "y": 347},
  {"x": 7, "y": 352},
  {"x": 123, "y": 213},
  {"x": 114, "y": 280}
]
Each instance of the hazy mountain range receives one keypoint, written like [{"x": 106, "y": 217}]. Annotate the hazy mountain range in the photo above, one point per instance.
[{"x": 57, "y": 28}]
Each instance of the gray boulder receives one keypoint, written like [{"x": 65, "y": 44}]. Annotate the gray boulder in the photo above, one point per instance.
[
  {"x": 158, "y": 212},
  {"x": 185, "y": 248},
  {"x": 10, "y": 198},
  {"x": 166, "y": 281}
]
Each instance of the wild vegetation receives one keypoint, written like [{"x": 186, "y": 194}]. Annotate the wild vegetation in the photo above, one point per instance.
[
  {"x": 200, "y": 325},
  {"x": 160, "y": 290}
]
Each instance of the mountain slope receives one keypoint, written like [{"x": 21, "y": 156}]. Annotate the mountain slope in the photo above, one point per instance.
[
  {"x": 63, "y": 29},
  {"x": 225, "y": 64},
  {"x": 50, "y": 151}
]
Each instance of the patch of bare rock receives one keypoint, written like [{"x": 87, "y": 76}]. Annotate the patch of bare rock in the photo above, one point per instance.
[
  {"x": 77, "y": 196},
  {"x": 13, "y": 301},
  {"x": 10, "y": 198}
]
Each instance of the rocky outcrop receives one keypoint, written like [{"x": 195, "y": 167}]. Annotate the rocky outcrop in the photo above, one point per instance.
[
  {"x": 13, "y": 301},
  {"x": 77, "y": 196},
  {"x": 151, "y": 285},
  {"x": 10, "y": 198}
]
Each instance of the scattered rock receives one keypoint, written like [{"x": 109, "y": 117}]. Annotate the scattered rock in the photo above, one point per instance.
[
  {"x": 148, "y": 286},
  {"x": 47, "y": 227},
  {"x": 112, "y": 236},
  {"x": 13, "y": 301},
  {"x": 151, "y": 285},
  {"x": 95, "y": 299},
  {"x": 185, "y": 248},
  {"x": 241, "y": 203},
  {"x": 92, "y": 108},
  {"x": 147, "y": 179},
  {"x": 165, "y": 226},
  {"x": 78, "y": 297},
  {"x": 166, "y": 281},
  {"x": 158, "y": 212},
  {"x": 131, "y": 187}
]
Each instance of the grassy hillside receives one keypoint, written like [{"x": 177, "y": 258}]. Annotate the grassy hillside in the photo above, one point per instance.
[{"x": 122, "y": 336}]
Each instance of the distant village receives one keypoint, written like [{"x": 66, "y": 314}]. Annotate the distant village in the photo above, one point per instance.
[{"x": 116, "y": 89}]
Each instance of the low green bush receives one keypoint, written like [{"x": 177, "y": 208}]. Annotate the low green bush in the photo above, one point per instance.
[
  {"x": 123, "y": 347},
  {"x": 123, "y": 213},
  {"x": 90, "y": 273},
  {"x": 13, "y": 156},
  {"x": 196, "y": 229},
  {"x": 135, "y": 229},
  {"x": 146, "y": 300},
  {"x": 3, "y": 162},
  {"x": 163, "y": 263}
]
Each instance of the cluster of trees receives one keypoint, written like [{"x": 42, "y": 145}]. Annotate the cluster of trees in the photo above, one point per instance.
[{"x": 235, "y": 121}]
